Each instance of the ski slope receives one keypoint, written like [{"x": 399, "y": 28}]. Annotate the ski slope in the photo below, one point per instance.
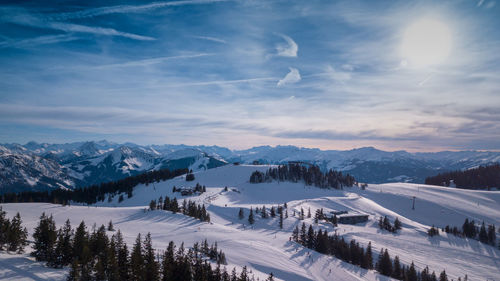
[{"x": 264, "y": 248}]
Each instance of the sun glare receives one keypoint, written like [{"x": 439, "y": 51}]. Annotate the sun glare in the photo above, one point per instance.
[{"x": 426, "y": 42}]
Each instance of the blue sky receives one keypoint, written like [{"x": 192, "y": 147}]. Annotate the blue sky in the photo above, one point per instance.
[{"x": 327, "y": 74}]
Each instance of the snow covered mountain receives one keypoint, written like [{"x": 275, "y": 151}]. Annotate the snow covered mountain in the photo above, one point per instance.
[
  {"x": 93, "y": 162},
  {"x": 27, "y": 171}
]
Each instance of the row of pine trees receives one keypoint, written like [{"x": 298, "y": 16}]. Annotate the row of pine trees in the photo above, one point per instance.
[
  {"x": 311, "y": 175},
  {"x": 352, "y": 252},
  {"x": 483, "y": 177},
  {"x": 486, "y": 235},
  {"x": 188, "y": 208}
]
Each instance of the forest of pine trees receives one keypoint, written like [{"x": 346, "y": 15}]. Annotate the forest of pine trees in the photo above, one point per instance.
[
  {"x": 94, "y": 193},
  {"x": 311, "y": 175},
  {"x": 355, "y": 254},
  {"x": 486, "y": 235},
  {"x": 483, "y": 177},
  {"x": 92, "y": 255},
  {"x": 384, "y": 223},
  {"x": 188, "y": 208}
]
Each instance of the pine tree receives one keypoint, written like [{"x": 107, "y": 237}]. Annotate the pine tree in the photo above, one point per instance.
[
  {"x": 241, "y": 214},
  {"x": 295, "y": 234},
  {"x": 168, "y": 262},
  {"x": 123, "y": 260},
  {"x": 80, "y": 240},
  {"x": 303, "y": 234},
  {"x": 272, "y": 212},
  {"x": 309, "y": 213},
  {"x": 492, "y": 238},
  {"x": 412, "y": 273},
  {"x": 110, "y": 226},
  {"x": 113, "y": 268},
  {"x": 63, "y": 248},
  {"x": 310, "y": 238},
  {"x": 369, "y": 255},
  {"x": 45, "y": 236},
  {"x": 251, "y": 220},
  {"x": 16, "y": 235},
  {"x": 443, "y": 276},
  {"x": 397, "y": 224},
  {"x": 151, "y": 266},
  {"x": 281, "y": 220},
  {"x": 137, "y": 261},
  {"x": 4, "y": 226},
  {"x": 264, "y": 212},
  {"x": 396, "y": 273},
  {"x": 483, "y": 235}
]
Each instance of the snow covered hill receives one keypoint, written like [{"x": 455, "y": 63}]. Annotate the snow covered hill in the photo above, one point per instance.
[{"x": 264, "y": 247}]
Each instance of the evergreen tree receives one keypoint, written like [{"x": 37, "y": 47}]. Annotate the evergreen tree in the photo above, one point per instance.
[
  {"x": 303, "y": 234},
  {"x": 412, "y": 273},
  {"x": 4, "y": 226},
  {"x": 16, "y": 235},
  {"x": 310, "y": 238},
  {"x": 44, "y": 236},
  {"x": 309, "y": 213},
  {"x": 492, "y": 238},
  {"x": 251, "y": 220},
  {"x": 369, "y": 255},
  {"x": 80, "y": 241},
  {"x": 168, "y": 262},
  {"x": 397, "y": 224},
  {"x": 396, "y": 273},
  {"x": 63, "y": 248},
  {"x": 483, "y": 235},
  {"x": 110, "y": 226},
  {"x": 113, "y": 268},
  {"x": 272, "y": 212},
  {"x": 151, "y": 266},
  {"x": 443, "y": 276},
  {"x": 123, "y": 260},
  {"x": 241, "y": 214},
  {"x": 137, "y": 261},
  {"x": 264, "y": 212},
  {"x": 295, "y": 234},
  {"x": 281, "y": 220}
]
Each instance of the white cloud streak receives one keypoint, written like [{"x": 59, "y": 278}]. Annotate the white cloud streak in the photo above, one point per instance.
[
  {"x": 213, "y": 39},
  {"x": 292, "y": 77},
  {"x": 41, "y": 40},
  {"x": 289, "y": 49},
  {"x": 122, "y": 9}
]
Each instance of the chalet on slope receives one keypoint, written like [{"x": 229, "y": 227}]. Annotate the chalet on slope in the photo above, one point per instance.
[{"x": 344, "y": 217}]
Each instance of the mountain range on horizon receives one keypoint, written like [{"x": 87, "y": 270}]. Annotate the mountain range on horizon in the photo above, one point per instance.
[{"x": 44, "y": 166}]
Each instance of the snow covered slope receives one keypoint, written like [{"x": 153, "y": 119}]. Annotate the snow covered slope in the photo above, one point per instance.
[{"x": 264, "y": 248}]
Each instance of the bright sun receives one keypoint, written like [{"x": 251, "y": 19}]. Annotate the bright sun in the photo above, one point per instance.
[{"x": 426, "y": 42}]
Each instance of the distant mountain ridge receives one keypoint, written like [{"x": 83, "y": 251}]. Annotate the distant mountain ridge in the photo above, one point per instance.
[{"x": 43, "y": 166}]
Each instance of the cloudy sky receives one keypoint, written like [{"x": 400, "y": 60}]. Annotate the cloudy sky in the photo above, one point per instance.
[{"x": 413, "y": 75}]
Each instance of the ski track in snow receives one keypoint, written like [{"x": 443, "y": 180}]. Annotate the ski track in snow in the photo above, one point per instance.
[{"x": 264, "y": 248}]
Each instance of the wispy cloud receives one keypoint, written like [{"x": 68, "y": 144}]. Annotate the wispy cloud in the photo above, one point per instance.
[
  {"x": 213, "y": 39},
  {"x": 41, "y": 40},
  {"x": 23, "y": 17},
  {"x": 121, "y": 9},
  {"x": 69, "y": 27},
  {"x": 289, "y": 49},
  {"x": 290, "y": 78},
  {"x": 151, "y": 61}
]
